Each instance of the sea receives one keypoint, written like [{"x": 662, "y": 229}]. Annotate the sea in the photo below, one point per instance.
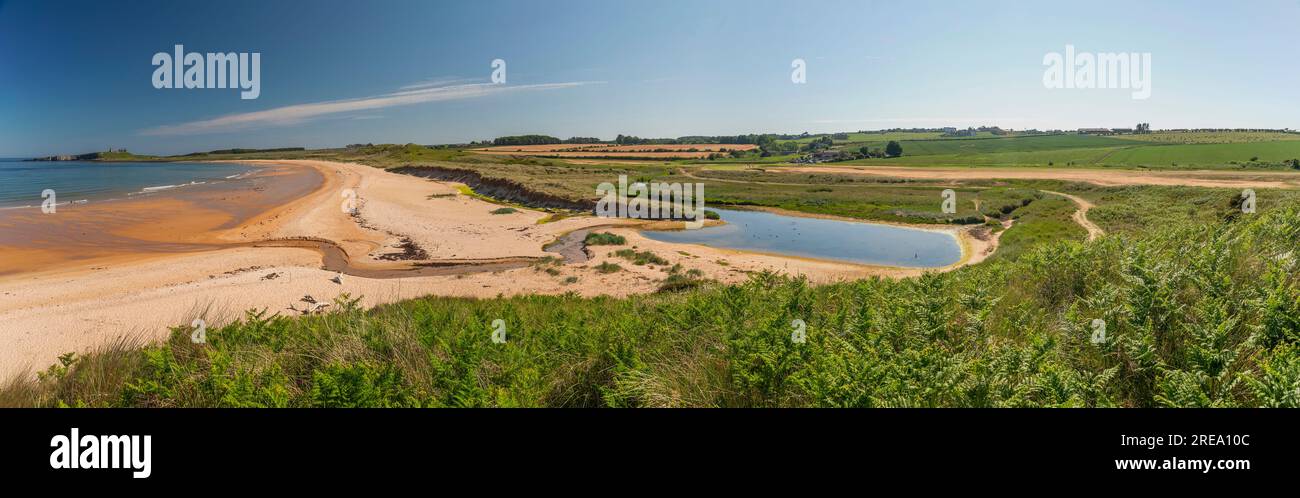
[{"x": 22, "y": 183}]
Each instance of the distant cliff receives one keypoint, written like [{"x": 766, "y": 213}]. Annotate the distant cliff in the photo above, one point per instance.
[
  {"x": 97, "y": 156},
  {"x": 81, "y": 157}
]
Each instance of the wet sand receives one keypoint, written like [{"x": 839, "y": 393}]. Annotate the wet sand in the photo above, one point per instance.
[{"x": 183, "y": 220}]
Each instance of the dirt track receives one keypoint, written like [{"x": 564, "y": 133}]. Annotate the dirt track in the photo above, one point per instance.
[
  {"x": 1198, "y": 178},
  {"x": 1080, "y": 216}
]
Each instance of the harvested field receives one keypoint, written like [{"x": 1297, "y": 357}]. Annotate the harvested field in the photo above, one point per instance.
[{"x": 648, "y": 151}]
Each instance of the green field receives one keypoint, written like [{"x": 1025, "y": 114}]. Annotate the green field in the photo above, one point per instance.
[
  {"x": 1224, "y": 137},
  {"x": 977, "y": 146},
  {"x": 1208, "y": 155},
  {"x": 1157, "y": 151}
]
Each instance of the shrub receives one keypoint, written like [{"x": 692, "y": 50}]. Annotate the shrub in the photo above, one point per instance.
[
  {"x": 640, "y": 258},
  {"x": 604, "y": 239},
  {"x": 608, "y": 267},
  {"x": 678, "y": 282}
]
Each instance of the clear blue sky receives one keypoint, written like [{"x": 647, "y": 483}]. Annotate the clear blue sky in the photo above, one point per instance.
[{"x": 75, "y": 76}]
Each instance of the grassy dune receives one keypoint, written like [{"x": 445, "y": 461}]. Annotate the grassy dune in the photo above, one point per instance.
[{"x": 1201, "y": 315}]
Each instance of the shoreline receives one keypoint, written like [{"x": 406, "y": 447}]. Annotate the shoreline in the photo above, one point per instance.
[
  {"x": 146, "y": 227},
  {"x": 143, "y": 192}
]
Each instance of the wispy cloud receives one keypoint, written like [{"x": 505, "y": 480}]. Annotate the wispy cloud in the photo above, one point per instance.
[
  {"x": 442, "y": 81},
  {"x": 418, "y": 93}
]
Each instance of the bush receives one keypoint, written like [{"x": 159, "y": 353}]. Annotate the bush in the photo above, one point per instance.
[
  {"x": 678, "y": 282},
  {"x": 893, "y": 149},
  {"x": 505, "y": 210},
  {"x": 604, "y": 239},
  {"x": 641, "y": 258}
]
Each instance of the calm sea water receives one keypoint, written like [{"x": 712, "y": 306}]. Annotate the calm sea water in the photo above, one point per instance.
[
  {"x": 21, "y": 183},
  {"x": 865, "y": 243}
]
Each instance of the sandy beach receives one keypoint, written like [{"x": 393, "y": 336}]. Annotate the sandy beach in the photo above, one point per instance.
[{"x": 157, "y": 263}]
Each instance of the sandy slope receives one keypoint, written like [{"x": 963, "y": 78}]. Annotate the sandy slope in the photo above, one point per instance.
[{"x": 44, "y": 314}]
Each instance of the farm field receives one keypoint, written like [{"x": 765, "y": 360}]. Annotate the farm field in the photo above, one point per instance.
[
  {"x": 1242, "y": 151},
  {"x": 656, "y": 151},
  {"x": 1210, "y": 137}
]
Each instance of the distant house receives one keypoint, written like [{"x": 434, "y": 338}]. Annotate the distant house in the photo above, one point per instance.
[
  {"x": 968, "y": 132},
  {"x": 1095, "y": 131},
  {"x": 822, "y": 156}
]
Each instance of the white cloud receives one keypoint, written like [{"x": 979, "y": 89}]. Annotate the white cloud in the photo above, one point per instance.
[
  {"x": 295, "y": 114},
  {"x": 432, "y": 82}
]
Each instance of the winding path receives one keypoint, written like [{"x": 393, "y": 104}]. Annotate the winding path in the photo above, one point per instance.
[{"x": 1080, "y": 215}]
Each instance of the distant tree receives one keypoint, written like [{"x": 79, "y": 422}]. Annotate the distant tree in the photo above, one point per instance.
[
  {"x": 893, "y": 149},
  {"x": 527, "y": 140},
  {"x": 820, "y": 143},
  {"x": 865, "y": 151}
]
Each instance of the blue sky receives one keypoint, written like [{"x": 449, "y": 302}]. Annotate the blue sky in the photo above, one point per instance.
[{"x": 76, "y": 76}]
